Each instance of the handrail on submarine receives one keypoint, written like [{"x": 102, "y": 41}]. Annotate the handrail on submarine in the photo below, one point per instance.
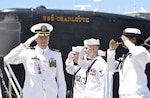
[{"x": 12, "y": 82}]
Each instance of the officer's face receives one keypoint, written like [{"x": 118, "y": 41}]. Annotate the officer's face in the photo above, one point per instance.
[{"x": 42, "y": 41}]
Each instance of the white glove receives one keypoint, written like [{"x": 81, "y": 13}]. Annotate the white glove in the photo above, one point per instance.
[
  {"x": 69, "y": 60},
  {"x": 82, "y": 54},
  {"x": 82, "y": 58},
  {"x": 70, "y": 56},
  {"x": 30, "y": 40}
]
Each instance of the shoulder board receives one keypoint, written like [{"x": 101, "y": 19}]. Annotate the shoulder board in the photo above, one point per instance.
[
  {"x": 56, "y": 50},
  {"x": 30, "y": 48}
]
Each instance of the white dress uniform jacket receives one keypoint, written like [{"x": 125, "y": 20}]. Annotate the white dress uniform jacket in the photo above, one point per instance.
[
  {"x": 79, "y": 78},
  {"x": 44, "y": 76},
  {"x": 97, "y": 79},
  {"x": 133, "y": 80}
]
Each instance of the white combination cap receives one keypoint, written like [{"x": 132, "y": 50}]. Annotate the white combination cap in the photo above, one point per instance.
[
  {"x": 77, "y": 48},
  {"x": 91, "y": 41},
  {"x": 43, "y": 29},
  {"x": 131, "y": 31}
]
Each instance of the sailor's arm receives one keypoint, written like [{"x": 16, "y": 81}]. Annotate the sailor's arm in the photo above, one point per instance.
[
  {"x": 70, "y": 68},
  {"x": 141, "y": 54},
  {"x": 111, "y": 52}
]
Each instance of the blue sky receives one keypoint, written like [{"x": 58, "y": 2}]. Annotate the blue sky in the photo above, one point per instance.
[{"x": 110, "y": 6}]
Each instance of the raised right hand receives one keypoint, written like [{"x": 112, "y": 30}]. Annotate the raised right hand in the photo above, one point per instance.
[
  {"x": 113, "y": 45},
  {"x": 30, "y": 40}
]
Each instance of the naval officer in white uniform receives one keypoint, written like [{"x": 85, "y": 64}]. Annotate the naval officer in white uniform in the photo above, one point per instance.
[
  {"x": 44, "y": 75},
  {"x": 132, "y": 77}
]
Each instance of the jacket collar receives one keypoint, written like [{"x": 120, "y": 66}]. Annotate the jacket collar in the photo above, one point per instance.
[{"x": 37, "y": 48}]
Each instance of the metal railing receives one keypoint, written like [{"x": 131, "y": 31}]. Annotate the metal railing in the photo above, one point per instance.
[{"x": 12, "y": 82}]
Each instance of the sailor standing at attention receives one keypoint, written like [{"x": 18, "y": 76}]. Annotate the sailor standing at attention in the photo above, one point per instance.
[
  {"x": 96, "y": 82},
  {"x": 44, "y": 75}
]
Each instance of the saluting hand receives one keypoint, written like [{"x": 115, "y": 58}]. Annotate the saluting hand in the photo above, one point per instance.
[
  {"x": 113, "y": 45},
  {"x": 30, "y": 40},
  {"x": 124, "y": 38}
]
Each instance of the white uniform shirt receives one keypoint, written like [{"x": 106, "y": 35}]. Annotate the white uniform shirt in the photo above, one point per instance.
[
  {"x": 97, "y": 80},
  {"x": 133, "y": 79},
  {"x": 44, "y": 76},
  {"x": 79, "y": 81}
]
